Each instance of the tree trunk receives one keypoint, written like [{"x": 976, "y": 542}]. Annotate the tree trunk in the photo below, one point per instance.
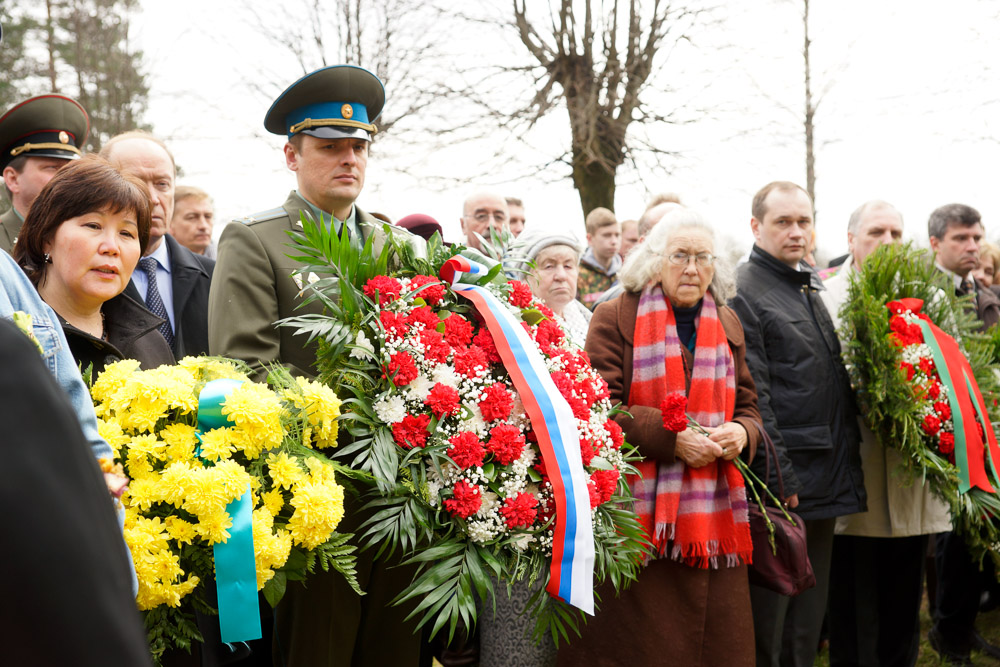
[
  {"x": 595, "y": 184},
  {"x": 50, "y": 39},
  {"x": 810, "y": 112}
]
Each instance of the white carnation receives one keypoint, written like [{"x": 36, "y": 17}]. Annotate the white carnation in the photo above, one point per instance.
[
  {"x": 390, "y": 409},
  {"x": 363, "y": 347}
]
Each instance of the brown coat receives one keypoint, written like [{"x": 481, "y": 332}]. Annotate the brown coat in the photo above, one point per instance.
[{"x": 673, "y": 614}]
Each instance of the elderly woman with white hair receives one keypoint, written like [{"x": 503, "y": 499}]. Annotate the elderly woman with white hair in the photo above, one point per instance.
[
  {"x": 556, "y": 260},
  {"x": 670, "y": 340}
]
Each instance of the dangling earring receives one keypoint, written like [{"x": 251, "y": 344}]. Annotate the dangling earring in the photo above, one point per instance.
[{"x": 48, "y": 258}]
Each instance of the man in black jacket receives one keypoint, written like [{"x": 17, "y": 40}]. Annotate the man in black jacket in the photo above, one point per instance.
[
  {"x": 806, "y": 405},
  {"x": 179, "y": 291}
]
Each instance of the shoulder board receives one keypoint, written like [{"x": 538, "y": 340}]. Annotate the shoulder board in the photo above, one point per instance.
[{"x": 264, "y": 216}]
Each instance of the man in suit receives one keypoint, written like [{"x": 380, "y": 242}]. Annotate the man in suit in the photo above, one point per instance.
[
  {"x": 328, "y": 117},
  {"x": 37, "y": 138},
  {"x": 171, "y": 280},
  {"x": 955, "y": 232}
]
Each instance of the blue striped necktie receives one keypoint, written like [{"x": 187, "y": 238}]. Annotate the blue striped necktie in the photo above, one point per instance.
[{"x": 154, "y": 302}]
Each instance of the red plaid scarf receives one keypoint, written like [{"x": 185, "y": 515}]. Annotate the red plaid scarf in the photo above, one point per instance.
[{"x": 695, "y": 515}]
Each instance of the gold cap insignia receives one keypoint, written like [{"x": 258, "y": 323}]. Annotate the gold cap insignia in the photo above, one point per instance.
[
  {"x": 347, "y": 111},
  {"x": 63, "y": 137}
]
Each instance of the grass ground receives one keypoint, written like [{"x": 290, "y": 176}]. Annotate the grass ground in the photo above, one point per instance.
[{"x": 988, "y": 624}]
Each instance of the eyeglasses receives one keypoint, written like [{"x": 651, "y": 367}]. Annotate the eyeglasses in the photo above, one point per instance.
[
  {"x": 484, "y": 216},
  {"x": 702, "y": 259}
]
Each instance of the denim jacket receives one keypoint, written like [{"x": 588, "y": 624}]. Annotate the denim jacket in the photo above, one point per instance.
[{"x": 18, "y": 294}]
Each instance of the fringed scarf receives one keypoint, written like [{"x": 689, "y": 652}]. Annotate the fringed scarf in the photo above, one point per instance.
[{"x": 697, "y": 516}]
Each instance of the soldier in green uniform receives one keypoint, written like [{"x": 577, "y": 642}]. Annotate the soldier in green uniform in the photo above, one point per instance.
[
  {"x": 37, "y": 136},
  {"x": 328, "y": 118}
]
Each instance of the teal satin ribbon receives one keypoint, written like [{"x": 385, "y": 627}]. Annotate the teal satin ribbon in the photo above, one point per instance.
[{"x": 235, "y": 567}]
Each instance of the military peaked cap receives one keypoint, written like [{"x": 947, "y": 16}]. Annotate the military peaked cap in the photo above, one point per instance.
[{"x": 44, "y": 126}]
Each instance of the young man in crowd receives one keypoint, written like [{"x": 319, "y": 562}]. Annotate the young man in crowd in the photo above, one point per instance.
[{"x": 600, "y": 262}]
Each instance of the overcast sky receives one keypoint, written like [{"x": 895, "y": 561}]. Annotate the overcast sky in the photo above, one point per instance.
[{"x": 907, "y": 116}]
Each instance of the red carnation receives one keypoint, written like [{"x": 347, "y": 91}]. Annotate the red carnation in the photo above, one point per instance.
[
  {"x": 580, "y": 408},
  {"x": 934, "y": 390},
  {"x": 402, "y": 369},
  {"x": 931, "y": 425},
  {"x": 946, "y": 443},
  {"x": 908, "y": 369},
  {"x": 467, "y": 361},
  {"x": 434, "y": 291},
  {"x": 466, "y": 450},
  {"x": 443, "y": 400},
  {"x": 595, "y": 495},
  {"x": 506, "y": 443},
  {"x": 541, "y": 470},
  {"x": 388, "y": 289},
  {"x": 943, "y": 410},
  {"x": 674, "y": 408},
  {"x": 546, "y": 311},
  {"x": 573, "y": 361},
  {"x": 563, "y": 383},
  {"x": 606, "y": 482},
  {"x": 520, "y": 510},
  {"x": 412, "y": 431},
  {"x": 549, "y": 334},
  {"x": 616, "y": 433},
  {"x": 484, "y": 341},
  {"x": 465, "y": 501},
  {"x": 457, "y": 331},
  {"x": 588, "y": 450},
  {"x": 394, "y": 325},
  {"x": 423, "y": 315},
  {"x": 435, "y": 347},
  {"x": 496, "y": 403},
  {"x": 520, "y": 293},
  {"x": 926, "y": 365}
]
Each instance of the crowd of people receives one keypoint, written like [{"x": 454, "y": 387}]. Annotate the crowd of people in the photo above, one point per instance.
[{"x": 111, "y": 260}]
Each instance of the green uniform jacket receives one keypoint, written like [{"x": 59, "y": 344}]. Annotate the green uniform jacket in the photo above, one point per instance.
[
  {"x": 252, "y": 287},
  {"x": 10, "y": 227}
]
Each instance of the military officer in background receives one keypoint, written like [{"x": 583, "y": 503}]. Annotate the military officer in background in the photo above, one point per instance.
[
  {"x": 328, "y": 117},
  {"x": 37, "y": 137}
]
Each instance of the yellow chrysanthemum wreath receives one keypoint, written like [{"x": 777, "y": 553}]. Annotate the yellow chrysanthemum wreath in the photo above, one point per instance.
[{"x": 182, "y": 481}]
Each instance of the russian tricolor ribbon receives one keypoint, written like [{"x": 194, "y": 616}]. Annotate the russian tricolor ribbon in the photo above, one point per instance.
[
  {"x": 572, "y": 569},
  {"x": 235, "y": 565},
  {"x": 972, "y": 454}
]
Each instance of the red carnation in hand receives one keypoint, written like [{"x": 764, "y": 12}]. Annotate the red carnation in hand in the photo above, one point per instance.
[
  {"x": 466, "y": 450},
  {"x": 520, "y": 293},
  {"x": 457, "y": 331},
  {"x": 616, "y": 433},
  {"x": 435, "y": 348},
  {"x": 506, "y": 444},
  {"x": 412, "y": 431},
  {"x": 484, "y": 341},
  {"x": 606, "y": 481},
  {"x": 388, "y": 289},
  {"x": 402, "y": 369},
  {"x": 465, "y": 501},
  {"x": 471, "y": 362},
  {"x": 931, "y": 425},
  {"x": 443, "y": 400},
  {"x": 432, "y": 294},
  {"x": 674, "y": 409},
  {"x": 394, "y": 325},
  {"x": 943, "y": 410},
  {"x": 496, "y": 403},
  {"x": 519, "y": 510},
  {"x": 946, "y": 443},
  {"x": 423, "y": 315}
]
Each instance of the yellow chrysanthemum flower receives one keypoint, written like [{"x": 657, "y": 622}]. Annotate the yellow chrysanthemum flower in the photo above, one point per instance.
[
  {"x": 111, "y": 431},
  {"x": 217, "y": 444},
  {"x": 110, "y": 381},
  {"x": 181, "y": 441},
  {"x": 321, "y": 406},
  {"x": 180, "y": 530},
  {"x": 215, "y": 527},
  {"x": 284, "y": 470},
  {"x": 273, "y": 501},
  {"x": 174, "y": 482},
  {"x": 206, "y": 370},
  {"x": 319, "y": 507}
]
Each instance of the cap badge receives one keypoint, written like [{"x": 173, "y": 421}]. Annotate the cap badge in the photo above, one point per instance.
[
  {"x": 347, "y": 111},
  {"x": 63, "y": 137}
]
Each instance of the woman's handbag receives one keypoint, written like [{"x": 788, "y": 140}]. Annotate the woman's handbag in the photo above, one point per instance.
[{"x": 786, "y": 569}]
